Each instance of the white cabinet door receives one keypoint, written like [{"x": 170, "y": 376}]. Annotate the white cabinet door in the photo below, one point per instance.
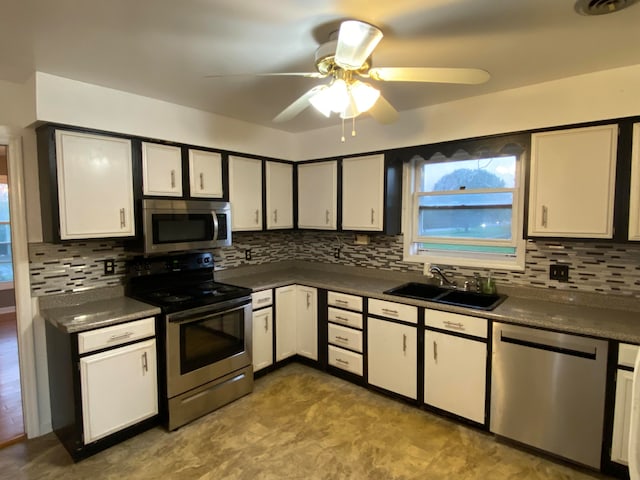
[
  {"x": 573, "y": 182},
  {"x": 245, "y": 193},
  {"x": 392, "y": 356},
  {"x": 317, "y": 195},
  {"x": 363, "y": 193},
  {"x": 455, "y": 374},
  {"x": 286, "y": 332},
  {"x": 161, "y": 170},
  {"x": 262, "y": 338},
  {"x": 307, "y": 322},
  {"x": 205, "y": 174},
  {"x": 634, "y": 200},
  {"x": 95, "y": 186},
  {"x": 622, "y": 417},
  {"x": 119, "y": 389},
  {"x": 279, "y": 179}
]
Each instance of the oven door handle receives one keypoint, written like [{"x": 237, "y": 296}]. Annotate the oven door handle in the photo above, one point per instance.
[
  {"x": 214, "y": 216},
  {"x": 189, "y": 316}
]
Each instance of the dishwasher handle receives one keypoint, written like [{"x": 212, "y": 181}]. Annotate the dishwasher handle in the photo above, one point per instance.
[{"x": 589, "y": 352}]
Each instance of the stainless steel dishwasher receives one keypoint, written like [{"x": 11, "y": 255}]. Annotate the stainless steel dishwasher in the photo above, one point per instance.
[{"x": 547, "y": 391}]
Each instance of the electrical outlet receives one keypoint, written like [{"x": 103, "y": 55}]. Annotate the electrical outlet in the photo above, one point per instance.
[
  {"x": 247, "y": 254},
  {"x": 559, "y": 272},
  {"x": 336, "y": 252},
  {"x": 109, "y": 266}
]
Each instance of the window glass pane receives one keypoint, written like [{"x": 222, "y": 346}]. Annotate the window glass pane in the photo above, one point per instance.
[
  {"x": 498, "y": 172},
  {"x": 6, "y": 267},
  {"x": 444, "y": 247},
  {"x": 4, "y": 202},
  {"x": 480, "y": 216}
]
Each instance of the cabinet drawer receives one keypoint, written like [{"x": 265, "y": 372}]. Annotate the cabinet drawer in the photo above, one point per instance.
[
  {"x": 342, "y": 300},
  {"x": 452, "y": 322},
  {"x": 345, "y": 337},
  {"x": 627, "y": 354},
  {"x": 116, "y": 335},
  {"x": 352, "y": 319},
  {"x": 406, "y": 313},
  {"x": 346, "y": 360},
  {"x": 263, "y": 298}
]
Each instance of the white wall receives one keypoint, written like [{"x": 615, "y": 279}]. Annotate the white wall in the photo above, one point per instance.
[
  {"x": 596, "y": 96},
  {"x": 70, "y": 102}
]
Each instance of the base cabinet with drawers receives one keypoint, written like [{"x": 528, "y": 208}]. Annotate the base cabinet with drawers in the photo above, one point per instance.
[
  {"x": 103, "y": 384},
  {"x": 262, "y": 329},
  {"x": 392, "y": 340},
  {"x": 345, "y": 337},
  {"x": 455, "y": 364}
]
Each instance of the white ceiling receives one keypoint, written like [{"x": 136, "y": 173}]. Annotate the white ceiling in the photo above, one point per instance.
[{"x": 165, "y": 48}]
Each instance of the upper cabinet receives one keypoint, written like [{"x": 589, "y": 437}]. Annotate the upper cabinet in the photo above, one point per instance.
[
  {"x": 634, "y": 200},
  {"x": 279, "y": 185},
  {"x": 245, "y": 193},
  {"x": 363, "y": 193},
  {"x": 86, "y": 185},
  {"x": 205, "y": 174},
  {"x": 161, "y": 170},
  {"x": 317, "y": 195},
  {"x": 572, "y": 182}
]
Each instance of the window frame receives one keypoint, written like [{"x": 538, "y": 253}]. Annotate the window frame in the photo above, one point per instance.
[{"x": 411, "y": 216}]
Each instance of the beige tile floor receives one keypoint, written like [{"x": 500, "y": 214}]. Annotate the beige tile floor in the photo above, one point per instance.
[{"x": 298, "y": 424}]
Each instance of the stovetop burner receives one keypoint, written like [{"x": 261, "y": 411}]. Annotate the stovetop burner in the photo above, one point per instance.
[{"x": 179, "y": 283}]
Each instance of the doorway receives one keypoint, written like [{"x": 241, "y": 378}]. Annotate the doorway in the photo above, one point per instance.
[{"x": 11, "y": 415}]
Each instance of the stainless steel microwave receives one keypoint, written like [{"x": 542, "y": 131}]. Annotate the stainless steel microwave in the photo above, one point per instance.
[{"x": 171, "y": 225}]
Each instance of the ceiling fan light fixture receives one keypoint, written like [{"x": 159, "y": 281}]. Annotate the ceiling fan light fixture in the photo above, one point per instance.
[
  {"x": 321, "y": 101},
  {"x": 356, "y": 41},
  {"x": 364, "y": 95},
  {"x": 338, "y": 95}
]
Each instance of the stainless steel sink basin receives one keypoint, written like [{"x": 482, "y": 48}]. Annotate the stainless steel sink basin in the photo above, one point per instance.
[{"x": 460, "y": 298}]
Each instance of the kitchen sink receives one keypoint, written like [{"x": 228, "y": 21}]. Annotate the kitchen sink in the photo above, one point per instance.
[
  {"x": 419, "y": 291},
  {"x": 460, "y": 298}
]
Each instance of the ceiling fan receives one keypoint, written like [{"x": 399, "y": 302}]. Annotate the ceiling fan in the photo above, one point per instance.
[{"x": 346, "y": 60}]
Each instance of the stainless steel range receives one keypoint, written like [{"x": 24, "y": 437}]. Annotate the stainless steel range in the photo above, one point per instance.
[{"x": 206, "y": 333}]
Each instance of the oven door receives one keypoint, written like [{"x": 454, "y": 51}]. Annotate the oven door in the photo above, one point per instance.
[{"x": 206, "y": 343}]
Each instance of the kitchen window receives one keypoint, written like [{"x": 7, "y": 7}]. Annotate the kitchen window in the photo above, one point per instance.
[{"x": 464, "y": 206}]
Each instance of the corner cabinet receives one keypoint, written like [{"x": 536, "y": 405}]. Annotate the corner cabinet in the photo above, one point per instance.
[
  {"x": 86, "y": 185},
  {"x": 634, "y": 200},
  {"x": 205, "y": 174},
  {"x": 572, "y": 182},
  {"x": 245, "y": 193},
  {"x": 161, "y": 170},
  {"x": 279, "y": 186},
  {"x": 262, "y": 329},
  {"x": 296, "y": 322},
  {"x": 317, "y": 195}
]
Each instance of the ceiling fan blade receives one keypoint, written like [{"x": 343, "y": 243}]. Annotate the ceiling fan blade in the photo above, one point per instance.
[
  {"x": 298, "y": 106},
  {"x": 383, "y": 112},
  {"x": 470, "y": 76},
  {"x": 356, "y": 41},
  {"x": 273, "y": 74}
]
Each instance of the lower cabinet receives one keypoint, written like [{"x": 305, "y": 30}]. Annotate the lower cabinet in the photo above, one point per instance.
[
  {"x": 454, "y": 366},
  {"x": 119, "y": 389},
  {"x": 345, "y": 337},
  {"x": 103, "y": 384},
  {"x": 262, "y": 330},
  {"x": 296, "y": 322},
  {"x": 622, "y": 409},
  {"x": 392, "y": 350}
]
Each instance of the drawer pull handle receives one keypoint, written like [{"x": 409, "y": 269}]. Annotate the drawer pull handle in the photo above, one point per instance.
[
  {"x": 338, "y": 317},
  {"x": 344, "y": 362},
  {"x": 308, "y": 300},
  {"x": 404, "y": 344},
  {"x": 266, "y": 324},
  {"x": 342, "y": 339},
  {"x": 122, "y": 336},
  {"x": 341, "y": 302},
  {"x": 145, "y": 364},
  {"x": 173, "y": 179},
  {"x": 435, "y": 352},
  {"x": 257, "y": 215},
  {"x": 390, "y": 312},
  {"x": 327, "y": 217},
  {"x": 545, "y": 216},
  {"x": 454, "y": 325},
  {"x": 201, "y": 181},
  {"x": 263, "y": 300},
  {"x": 275, "y": 216}
]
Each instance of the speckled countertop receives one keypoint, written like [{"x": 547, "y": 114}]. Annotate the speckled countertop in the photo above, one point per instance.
[
  {"x": 96, "y": 308},
  {"x": 597, "y": 315}
]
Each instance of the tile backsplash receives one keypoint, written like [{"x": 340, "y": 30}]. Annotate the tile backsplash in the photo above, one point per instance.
[{"x": 593, "y": 266}]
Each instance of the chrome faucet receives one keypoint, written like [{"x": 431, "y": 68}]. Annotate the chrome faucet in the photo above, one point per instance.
[{"x": 434, "y": 270}]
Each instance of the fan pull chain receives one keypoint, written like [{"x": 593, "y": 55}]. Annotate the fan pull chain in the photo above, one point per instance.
[{"x": 342, "y": 138}]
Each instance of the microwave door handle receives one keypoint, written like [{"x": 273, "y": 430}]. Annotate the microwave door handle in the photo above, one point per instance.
[{"x": 215, "y": 225}]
